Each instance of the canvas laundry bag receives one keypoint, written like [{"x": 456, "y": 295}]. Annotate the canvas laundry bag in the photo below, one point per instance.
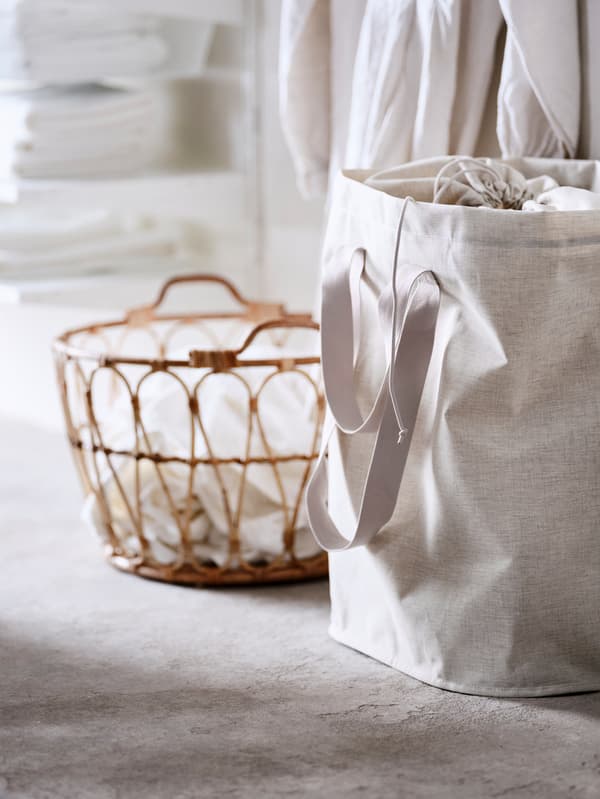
[{"x": 460, "y": 495}]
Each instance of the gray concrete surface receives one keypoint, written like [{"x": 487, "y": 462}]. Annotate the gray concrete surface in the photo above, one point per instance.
[{"x": 114, "y": 687}]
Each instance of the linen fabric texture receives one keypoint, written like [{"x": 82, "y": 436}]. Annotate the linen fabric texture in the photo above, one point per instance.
[{"x": 485, "y": 578}]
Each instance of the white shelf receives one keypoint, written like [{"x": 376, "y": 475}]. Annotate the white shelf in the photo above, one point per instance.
[
  {"x": 217, "y": 199},
  {"x": 108, "y": 291},
  {"x": 125, "y": 284},
  {"x": 225, "y": 12}
]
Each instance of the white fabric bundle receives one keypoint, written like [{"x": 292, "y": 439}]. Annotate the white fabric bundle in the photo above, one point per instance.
[
  {"x": 564, "y": 198},
  {"x": 90, "y": 131},
  {"x": 40, "y": 244},
  {"x": 482, "y": 182},
  {"x": 72, "y": 41},
  {"x": 288, "y": 414}
]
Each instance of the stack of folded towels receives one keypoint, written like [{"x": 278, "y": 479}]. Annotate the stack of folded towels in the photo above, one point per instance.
[
  {"x": 87, "y": 131},
  {"x": 79, "y": 105},
  {"x": 67, "y": 41},
  {"x": 36, "y": 244}
]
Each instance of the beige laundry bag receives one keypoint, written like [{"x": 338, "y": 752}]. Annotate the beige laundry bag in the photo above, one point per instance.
[{"x": 460, "y": 495}]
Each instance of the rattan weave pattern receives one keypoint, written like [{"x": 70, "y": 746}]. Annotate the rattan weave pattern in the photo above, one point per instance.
[{"x": 107, "y": 354}]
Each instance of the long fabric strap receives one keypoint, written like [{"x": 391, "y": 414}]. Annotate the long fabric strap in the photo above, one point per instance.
[{"x": 409, "y": 312}]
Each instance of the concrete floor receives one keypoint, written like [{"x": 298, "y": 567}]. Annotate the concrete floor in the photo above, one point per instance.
[{"x": 114, "y": 687}]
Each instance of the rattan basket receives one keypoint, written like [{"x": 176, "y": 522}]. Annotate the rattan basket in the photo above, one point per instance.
[{"x": 143, "y": 485}]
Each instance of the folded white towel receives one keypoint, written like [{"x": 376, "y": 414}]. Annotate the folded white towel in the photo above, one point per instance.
[
  {"x": 49, "y": 243},
  {"x": 90, "y": 131},
  {"x": 74, "y": 41},
  {"x": 60, "y": 41}
]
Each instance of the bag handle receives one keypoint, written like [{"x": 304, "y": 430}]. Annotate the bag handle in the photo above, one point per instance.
[
  {"x": 340, "y": 322},
  {"x": 410, "y": 312}
]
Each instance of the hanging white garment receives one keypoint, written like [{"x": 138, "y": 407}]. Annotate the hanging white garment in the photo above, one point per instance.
[
  {"x": 367, "y": 84},
  {"x": 304, "y": 89},
  {"x": 540, "y": 88},
  {"x": 422, "y": 74},
  {"x": 422, "y": 77},
  {"x": 385, "y": 86},
  {"x": 90, "y": 131},
  {"x": 481, "y": 32},
  {"x": 316, "y": 60},
  {"x": 345, "y": 24}
]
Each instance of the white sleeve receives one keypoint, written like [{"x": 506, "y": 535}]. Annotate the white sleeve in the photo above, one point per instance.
[
  {"x": 539, "y": 94},
  {"x": 304, "y": 89}
]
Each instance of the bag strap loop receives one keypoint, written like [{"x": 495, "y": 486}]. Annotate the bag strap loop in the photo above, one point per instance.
[{"x": 409, "y": 311}]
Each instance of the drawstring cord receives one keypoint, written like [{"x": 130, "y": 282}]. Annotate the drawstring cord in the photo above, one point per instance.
[
  {"x": 402, "y": 431},
  {"x": 501, "y": 194},
  {"x": 477, "y": 166}
]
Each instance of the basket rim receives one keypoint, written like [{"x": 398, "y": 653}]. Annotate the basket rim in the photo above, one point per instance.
[
  {"x": 314, "y": 567},
  {"x": 219, "y": 359}
]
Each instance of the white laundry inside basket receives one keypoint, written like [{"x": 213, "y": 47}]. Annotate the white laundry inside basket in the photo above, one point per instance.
[{"x": 288, "y": 412}]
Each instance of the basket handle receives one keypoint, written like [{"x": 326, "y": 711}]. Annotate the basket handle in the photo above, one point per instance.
[
  {"x": 221, "y": 360},
  {"x": 255, "y": 311},
  {"x": 288, "y": 321}
]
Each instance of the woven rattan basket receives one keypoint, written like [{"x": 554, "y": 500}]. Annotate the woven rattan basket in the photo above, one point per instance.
[{"x": 143, "y": 489}]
